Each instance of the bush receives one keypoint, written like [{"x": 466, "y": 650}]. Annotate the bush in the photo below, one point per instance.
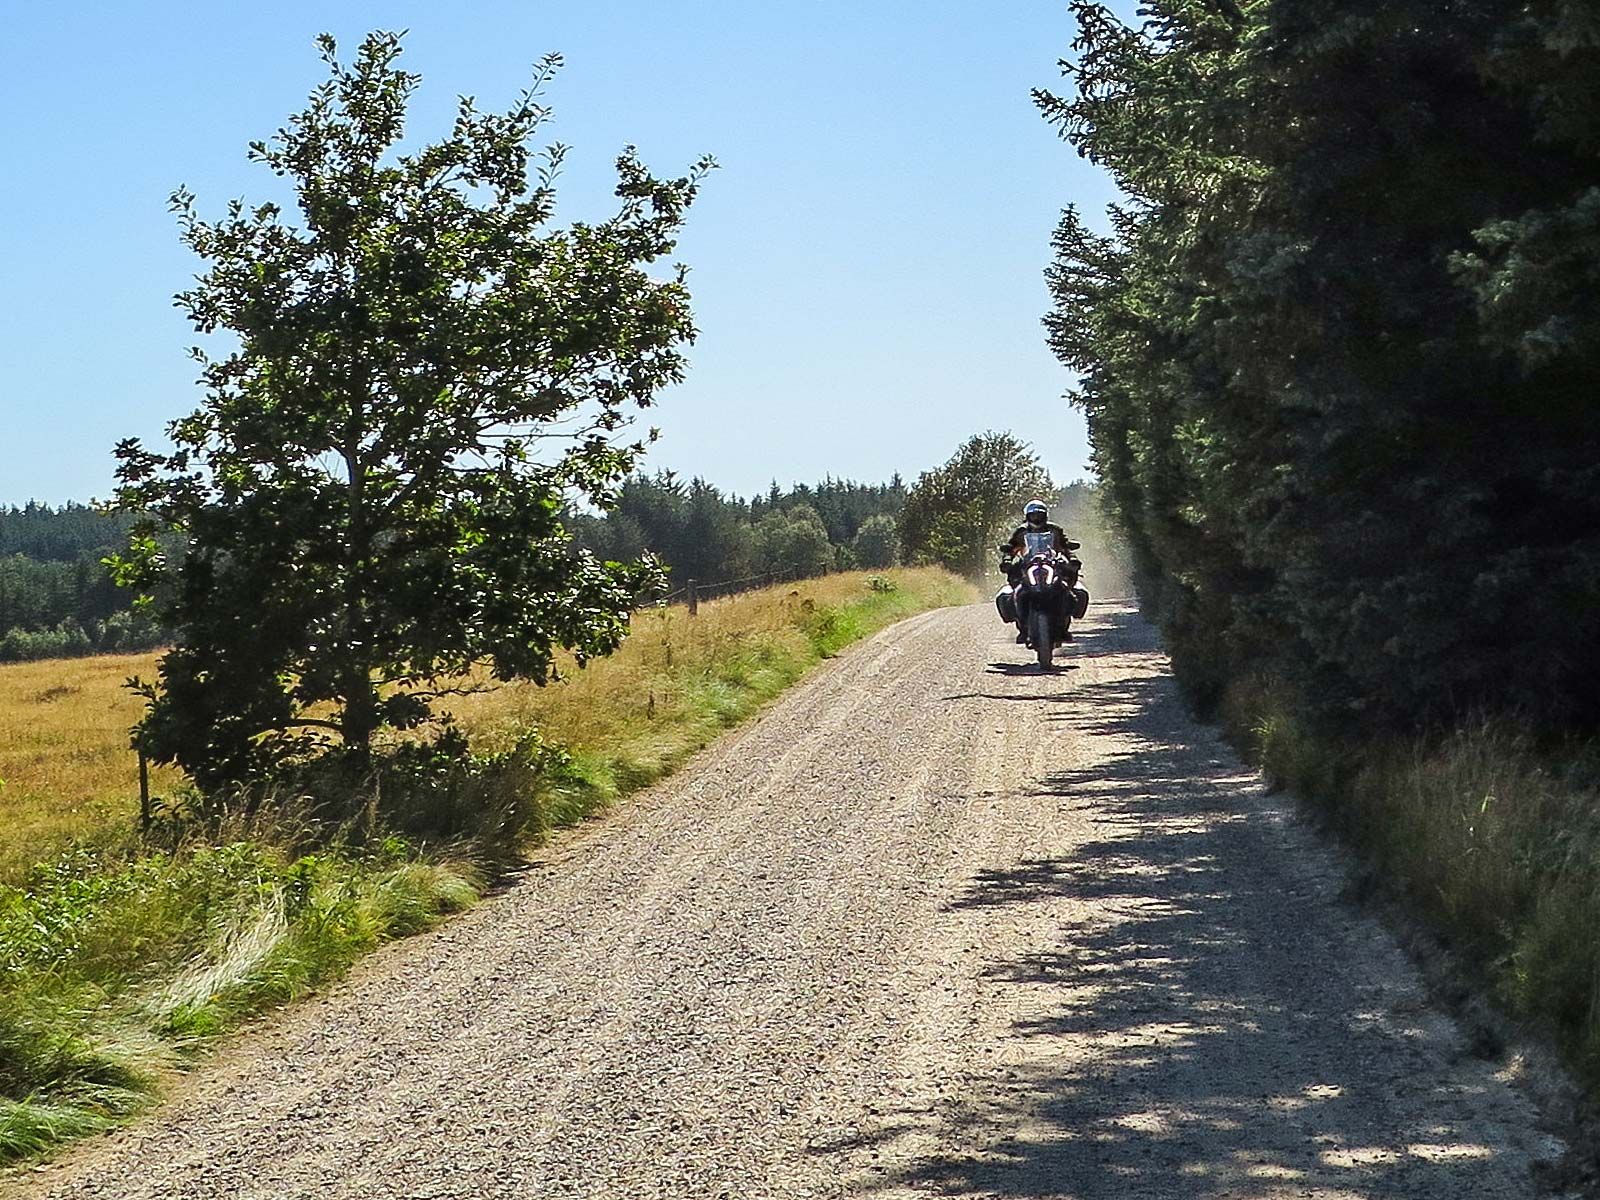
[
  {"x": 120, "y": 633},
  {"x": 65, "y": 640}
]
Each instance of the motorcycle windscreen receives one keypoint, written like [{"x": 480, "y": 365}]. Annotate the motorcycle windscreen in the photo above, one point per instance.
[{"x": 1039, "y": 543}]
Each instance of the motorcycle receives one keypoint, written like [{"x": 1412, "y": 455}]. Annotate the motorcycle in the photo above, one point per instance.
[{"x": 1044, "y": 596}]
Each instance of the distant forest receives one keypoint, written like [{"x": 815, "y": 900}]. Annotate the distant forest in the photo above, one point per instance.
[
  {"x": 56, "y": 597},
  {"x": 700, "y": 533}
]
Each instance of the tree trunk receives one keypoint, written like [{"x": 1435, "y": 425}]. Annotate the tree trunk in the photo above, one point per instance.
[{"x": 359, "y": 718}]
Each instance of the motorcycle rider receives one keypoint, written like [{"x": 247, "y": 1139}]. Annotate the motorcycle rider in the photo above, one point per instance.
[{"x": 1035, "y": 519}]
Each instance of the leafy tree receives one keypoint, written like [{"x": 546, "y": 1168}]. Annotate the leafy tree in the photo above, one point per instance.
[
  {"x": 793, "y": 542},
  {"x": 955, "y": 513},
  {"x": 424, "y": 371},
  {"x": 877, "y": 543}
]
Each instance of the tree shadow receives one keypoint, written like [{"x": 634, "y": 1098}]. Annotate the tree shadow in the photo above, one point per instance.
[
  {"x": 1203, "y": 1018},
  {"x": 1114, "y": 629}
]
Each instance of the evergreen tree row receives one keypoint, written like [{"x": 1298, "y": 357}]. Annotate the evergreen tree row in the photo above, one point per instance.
[
  {"x": 700, "y": 533},
  {"x": 56, "y": 597},
  {"x": 65, "y": 534},
  {"x": 1340, "y": 349}
]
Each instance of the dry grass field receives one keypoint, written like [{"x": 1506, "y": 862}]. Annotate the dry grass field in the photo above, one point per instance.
[
  {"x": 68, "y": 772},
  {"x": 69, "y": 775}
]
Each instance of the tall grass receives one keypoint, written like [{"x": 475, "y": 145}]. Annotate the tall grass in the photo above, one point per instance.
[
  {"x": 66, "y": 772},
  {"x": 117, "y": 964},
  {"x": 113, "y": 972},
  {"x": 1493, "y": 837}
]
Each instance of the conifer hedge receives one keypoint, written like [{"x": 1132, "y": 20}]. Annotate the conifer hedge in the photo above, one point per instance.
[{"x": 1340, "y": 348}]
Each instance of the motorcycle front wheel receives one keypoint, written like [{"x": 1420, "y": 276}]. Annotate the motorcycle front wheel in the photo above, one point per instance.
[{"x": 1040, "y": 621}]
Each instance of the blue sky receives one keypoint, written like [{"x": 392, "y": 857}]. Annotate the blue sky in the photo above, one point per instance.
[{"x": 865, "y": 264}]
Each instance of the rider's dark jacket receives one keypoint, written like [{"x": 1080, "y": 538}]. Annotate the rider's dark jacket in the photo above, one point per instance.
[
  {"x": 1013, "y": 566},
  {"x": 1017, "y": 542}
]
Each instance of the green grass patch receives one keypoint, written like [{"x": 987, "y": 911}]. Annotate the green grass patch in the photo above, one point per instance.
[
  {"x": 113, "y": 973},
  {"x": 723, "y": 671}
]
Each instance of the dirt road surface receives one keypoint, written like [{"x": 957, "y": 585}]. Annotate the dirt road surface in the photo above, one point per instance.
[{"x": 937, "y": 925}]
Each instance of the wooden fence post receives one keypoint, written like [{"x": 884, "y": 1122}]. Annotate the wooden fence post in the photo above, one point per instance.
[
  {"x": 144, "y": 791},
  {"x": 694, "y": 599}
]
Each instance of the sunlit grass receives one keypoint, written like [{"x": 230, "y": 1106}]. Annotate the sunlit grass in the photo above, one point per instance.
[
  {"x": 668, "y": 650},
  {"x": 680, "y": 680},
  {"x": 64, "y": 758},
  {"x": 112, "y": 973}
]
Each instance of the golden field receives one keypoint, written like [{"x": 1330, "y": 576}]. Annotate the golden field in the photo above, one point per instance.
[
  {"x": 64, "y": 758},
  {"x": 70, "y": 776}
]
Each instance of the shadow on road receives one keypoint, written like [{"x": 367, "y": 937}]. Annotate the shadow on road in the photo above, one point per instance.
[
  {"x": 1219, "y": 1027},
  {"x": 1009, "y": 697},
  {"x": 1027, "y": 668}
]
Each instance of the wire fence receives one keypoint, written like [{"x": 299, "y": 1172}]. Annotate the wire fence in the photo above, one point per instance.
[{"x": 694, "y": 591}]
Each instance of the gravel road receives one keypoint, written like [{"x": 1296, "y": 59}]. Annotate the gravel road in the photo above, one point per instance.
[{"x": 936, "y": 925}]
